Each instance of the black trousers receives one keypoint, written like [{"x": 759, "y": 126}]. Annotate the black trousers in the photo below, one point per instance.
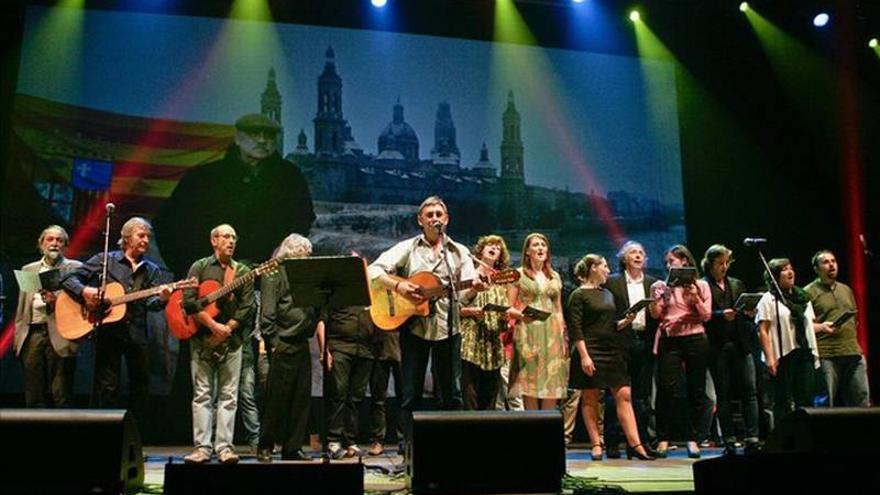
[
  {"x": 640, "y": 365},
  {"x": 479, "y": 387},
  {"x": 345, "y": 386},
  {"x": 48, "y": 377},
  {"x": 794, "y": 383},
  {"x": 379, "y": 419},
  {"x": 111, "y": 346},
  {"x": 692, "y": 352},
  {"x": 445, "y": 356},
  {"x": 286, "y": 418}
]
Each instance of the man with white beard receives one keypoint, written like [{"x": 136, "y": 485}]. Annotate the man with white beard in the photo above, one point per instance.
[{"x": 48, "y": 359}]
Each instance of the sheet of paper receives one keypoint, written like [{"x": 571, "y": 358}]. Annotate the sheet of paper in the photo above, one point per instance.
[{"x": 28, "y": 281}]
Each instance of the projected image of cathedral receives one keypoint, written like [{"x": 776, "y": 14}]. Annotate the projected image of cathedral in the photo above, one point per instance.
[{"x": 345, "y": 178}]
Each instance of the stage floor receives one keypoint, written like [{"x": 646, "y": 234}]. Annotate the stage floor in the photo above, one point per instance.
[{"x": 671, "y": 475}]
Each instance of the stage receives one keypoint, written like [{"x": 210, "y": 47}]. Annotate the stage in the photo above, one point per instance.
[{"x": 671, "y": 475}]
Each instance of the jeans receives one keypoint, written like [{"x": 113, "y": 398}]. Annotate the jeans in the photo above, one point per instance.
[
  {"x": 247, "y": 394},
  {"x": 846, "y": 377},
  {"x": 505, "y": 401},
  {"x": 214, "y": 378},
  {"x": 446, "y": 358},
  {"x": 692, "y": 351},
  {"x": 382, "y": 371},
  {"x": 729, "y": 364},
  {"x": 345, "y": 386}
]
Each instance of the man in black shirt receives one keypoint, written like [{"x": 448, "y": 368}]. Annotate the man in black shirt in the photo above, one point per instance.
[
  {"x": 348, "y": 362},
  {"x": 730, "y": 335},
  {"x": 128, "y": 336},
  {"x": 286, "y": 328},
  {"x": 251, "y": 187}
]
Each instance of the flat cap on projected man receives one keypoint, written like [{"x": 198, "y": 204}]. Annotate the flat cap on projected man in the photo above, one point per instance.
[{"x": 256, "y": 122}]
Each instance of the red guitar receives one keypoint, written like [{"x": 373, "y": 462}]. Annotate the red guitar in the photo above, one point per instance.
[{"x": 183, "y": 325}]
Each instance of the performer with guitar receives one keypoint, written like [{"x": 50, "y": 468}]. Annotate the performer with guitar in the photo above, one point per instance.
[
  {"x": 435, "y": 335},
  {"x": 127, "y": 336},
  {"x": 215, "y": 351}
]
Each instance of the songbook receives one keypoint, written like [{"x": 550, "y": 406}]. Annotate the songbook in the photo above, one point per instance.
[
  {"x": 844, "y": 318},
  {"x": 35, "y": 282},
  {"x": 747, "y": 301},
  {"x": 684, "y": 275},
  {"x": 635, "y": 308},
  {"x": 528, "y": 311}
]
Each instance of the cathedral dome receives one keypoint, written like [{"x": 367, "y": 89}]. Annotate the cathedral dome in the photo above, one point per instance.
[{"x": 399, "y": 136}]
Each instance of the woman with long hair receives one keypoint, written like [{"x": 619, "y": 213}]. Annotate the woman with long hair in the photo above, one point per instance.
[
  {"x": 594, "y": 328},
  {"x": 681, "y": 340},
  {"x": 539, "y": 368}
]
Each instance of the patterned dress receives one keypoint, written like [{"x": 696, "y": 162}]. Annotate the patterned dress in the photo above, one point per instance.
[
  {"x": 540, "y": 366},
  {"x": 481, "y": 339}
]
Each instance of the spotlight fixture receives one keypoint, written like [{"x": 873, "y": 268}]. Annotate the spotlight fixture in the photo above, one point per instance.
[
  {"x": 873, "y": 43},
  {"x": 379, "y": 3},
  {"x": 635, "y": 16},
  {"x": 821, "y": 19},
  {"x": 744, "y": 7}
]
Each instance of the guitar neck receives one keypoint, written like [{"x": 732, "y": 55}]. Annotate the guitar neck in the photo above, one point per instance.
[
  {"x": 134, "y": 296},
  {"x": 232, "y": 286}
]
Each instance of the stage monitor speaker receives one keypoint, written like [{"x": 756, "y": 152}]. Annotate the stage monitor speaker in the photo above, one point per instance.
[
  {"x": 70, "y": 451},
  {"x": 456, "y": 452},
  {"x": 302, "y": 478},
  {"x": 827, "y": 430}
]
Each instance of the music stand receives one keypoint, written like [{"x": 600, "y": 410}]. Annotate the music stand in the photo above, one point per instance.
[{"x": 328, "y": 281}]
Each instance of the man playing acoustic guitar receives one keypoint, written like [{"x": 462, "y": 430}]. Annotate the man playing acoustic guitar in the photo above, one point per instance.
[
  {"x": 128, "y": 336},
  {"x": 215, "y": 351},
  {"x": 436, "y": 335}
]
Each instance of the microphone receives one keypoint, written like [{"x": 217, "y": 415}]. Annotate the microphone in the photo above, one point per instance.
[
  {"x": 754, "y": 241},
  {"x": 438, "y": 227},
  {"x": 110, "y": 207}
]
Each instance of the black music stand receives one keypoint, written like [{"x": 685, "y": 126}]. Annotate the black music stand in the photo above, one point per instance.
[{"x": 328, "y": 282}]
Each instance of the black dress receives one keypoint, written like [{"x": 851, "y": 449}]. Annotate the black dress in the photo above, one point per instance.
[{"x": 591, "y": 318}]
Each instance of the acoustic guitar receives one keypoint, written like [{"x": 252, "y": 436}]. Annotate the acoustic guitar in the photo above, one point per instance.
[
  {"x": 389, "y": 309},
  {"x": 74, "y": 320},
  {"x": 183, "y": 325}
]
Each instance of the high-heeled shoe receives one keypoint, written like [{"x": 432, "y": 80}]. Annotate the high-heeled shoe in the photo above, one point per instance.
[
  {"x": 594, "y": 455},
  {"x": 693, "y": 450},
  {"x": 661, "y": 452},
  {"x": 632, "y": 451}
]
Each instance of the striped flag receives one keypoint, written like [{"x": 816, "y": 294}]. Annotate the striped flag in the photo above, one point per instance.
[{"x": 133, "y": 161}]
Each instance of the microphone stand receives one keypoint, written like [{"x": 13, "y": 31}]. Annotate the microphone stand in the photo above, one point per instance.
[
  {"x": 452, "y": 313},
  {"x": 779, "y": 296},
  {"x": 103, "y": 288}
]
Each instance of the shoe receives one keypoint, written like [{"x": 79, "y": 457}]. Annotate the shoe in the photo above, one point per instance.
[
  {"x": 633, "y": 451},
  {"x": 751, "y": 448},
  {"x": 693, "y": 450},
  {"x": 228, "y": 456},
  {"x": 613, "y": 451},
  {"x": 593, "y": 452},
  {"x": 335, "y": 450},
  {"x": 264, "y": 455},
  {"x": 297, "y": 455},
  {"x": 198, "y": 456},
  {"x": 662, "y": 450},
  {"x": 352, "y": 451},
  {"x": 376, "y": 449}
]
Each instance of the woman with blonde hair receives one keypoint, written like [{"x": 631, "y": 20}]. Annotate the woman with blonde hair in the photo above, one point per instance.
[{"x": 539, "y": 368}]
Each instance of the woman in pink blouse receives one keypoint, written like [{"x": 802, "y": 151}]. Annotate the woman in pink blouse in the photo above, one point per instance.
[{"x": 681, "y": 340}]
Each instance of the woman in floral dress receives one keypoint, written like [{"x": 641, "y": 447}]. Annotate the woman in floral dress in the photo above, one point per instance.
[{"x": 539, "y": 369}]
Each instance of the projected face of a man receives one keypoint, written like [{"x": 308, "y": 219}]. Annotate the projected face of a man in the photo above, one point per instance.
[{"x": 255, "y": 144}]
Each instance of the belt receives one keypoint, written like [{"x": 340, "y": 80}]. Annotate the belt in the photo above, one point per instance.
[{"x": 34, "y": 327}]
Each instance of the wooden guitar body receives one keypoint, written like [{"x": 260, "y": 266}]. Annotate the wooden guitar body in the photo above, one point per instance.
[
  {"x": 182, "y": 325},
  {"x": 74, "y": 321}
]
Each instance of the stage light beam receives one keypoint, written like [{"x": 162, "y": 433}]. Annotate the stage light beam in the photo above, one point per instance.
[
  {"x": 379, "y": 3},
  {"x": 873, "y": 43},
  {"x": 635, "y": 16},
  {"x": 744, "y": 7},
  {"x": 821, "y": 19}
]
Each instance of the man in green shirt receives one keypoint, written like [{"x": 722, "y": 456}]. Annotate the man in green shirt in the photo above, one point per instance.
[{"x": 842, "y": 362}]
